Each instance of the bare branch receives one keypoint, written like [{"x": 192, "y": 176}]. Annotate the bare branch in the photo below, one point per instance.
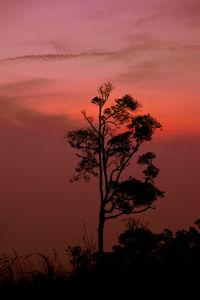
[
  {"x": 122, "y": 167},
  {"x": 112, "y": 173},
  {"x": 114, "y": 216},
  {"x": 131, "y": 212},
  {"x": 142, "y": 210},
  {"x": 114, "y": 123},
  {"x": 111, "y": 115},
  {"x": 81, "y": 156},
  {"x": 111, "y": 209},
  {"x": 88, "y": 120}
]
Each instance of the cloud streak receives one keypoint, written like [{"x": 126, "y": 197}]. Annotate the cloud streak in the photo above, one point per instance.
[{"x": 55, "y": 57}]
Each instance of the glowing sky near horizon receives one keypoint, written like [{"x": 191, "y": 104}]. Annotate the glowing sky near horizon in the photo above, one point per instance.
[{"x": 54, "y": 55}]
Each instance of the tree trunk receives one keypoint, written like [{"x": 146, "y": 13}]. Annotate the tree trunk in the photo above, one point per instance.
[{"x": 101, "y": 231}]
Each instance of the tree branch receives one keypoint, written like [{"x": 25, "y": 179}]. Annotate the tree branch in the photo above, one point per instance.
[
  {"x": 114, "y": 123},
  {"x": 125, "y": 163},
  {"x": 111, "y": 115},
  {"x": 112, "y": 173},
  {"x": 100, "y": 159},
  {"x": 81, "y": 156},
  {"x": 105, "y": 170},
  {"x": 88, "y": 120},
  {"x": 121, "y": 168},
  {"x": 114, "y": 216},
  {"x": 83, "y": 147},
  {"x": 111, "y": 209},
  {"x": 142, "y": 210},
  {"x": 131, "y": 212}
]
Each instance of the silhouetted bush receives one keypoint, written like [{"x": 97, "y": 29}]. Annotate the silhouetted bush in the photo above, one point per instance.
[{"x": 140, "y": 262}]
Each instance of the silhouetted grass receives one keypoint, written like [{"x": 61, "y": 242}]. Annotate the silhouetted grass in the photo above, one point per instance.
[{"x": 143, "y": 263}]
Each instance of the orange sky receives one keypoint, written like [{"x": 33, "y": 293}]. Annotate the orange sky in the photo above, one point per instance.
[{"x": 53, "y": 56}]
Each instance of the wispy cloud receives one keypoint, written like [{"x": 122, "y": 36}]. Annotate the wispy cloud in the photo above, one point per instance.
[
  {"x": 16, "y": 114},
  {"x": 148, "y": 70},
  {"x": 55, "y": 57},
  {"x": 182, "y": 11},
  {"x": 114, "y": 11},
  {"x": 173, "y": 61},
  {"x": 26, "y": 85},
  {"x": 148, "y": 19}
]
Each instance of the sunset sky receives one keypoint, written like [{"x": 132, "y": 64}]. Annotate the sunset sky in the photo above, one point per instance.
[{"x": 53, "y": 57}]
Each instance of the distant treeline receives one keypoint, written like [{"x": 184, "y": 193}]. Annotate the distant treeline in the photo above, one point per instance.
[{"x": 142, "y": 263}]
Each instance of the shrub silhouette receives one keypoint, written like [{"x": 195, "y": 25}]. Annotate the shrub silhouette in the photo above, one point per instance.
[{"x": 139, "y": 262}]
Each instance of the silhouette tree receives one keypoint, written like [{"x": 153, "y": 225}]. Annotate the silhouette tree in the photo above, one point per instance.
[{"x": 106, "y": 149}]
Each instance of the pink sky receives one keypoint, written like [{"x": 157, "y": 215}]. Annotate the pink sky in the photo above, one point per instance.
[{"x": 53, "y": 56}]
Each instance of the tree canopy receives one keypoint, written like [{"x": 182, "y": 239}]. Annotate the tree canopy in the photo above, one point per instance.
[{"x": 106, "y": 148}]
